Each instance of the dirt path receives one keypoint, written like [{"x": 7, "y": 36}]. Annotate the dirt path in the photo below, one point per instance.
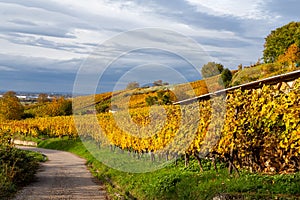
[{"x": 63, "y": 176}]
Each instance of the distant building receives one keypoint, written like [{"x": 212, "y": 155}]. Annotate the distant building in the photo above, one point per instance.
[{"x": 22, "y": 97}]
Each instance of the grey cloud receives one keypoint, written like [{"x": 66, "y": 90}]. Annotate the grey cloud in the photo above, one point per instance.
[
  {"x": 21, "y": 73},
  {"x": 6, "y": 68},
  {"x": 33, "y": 81},
  {"x": 68, "y": 17},
  {"x": 183, "y": 12},
  {"x": 225, "y": 43},
  {"x": 286, "y": 9},
  {"x": 56, "y": 32},
  {"x": 23, "y": 63},
  {"x": 17, "y": 38},
  {"x": 48, "y": 19},
  {"x": 44, "y": 5},
  {"x": 34, "y": 23},
  {"x": 22, "y": 22}
]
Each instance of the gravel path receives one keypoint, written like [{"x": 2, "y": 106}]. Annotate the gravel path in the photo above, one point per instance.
[{"x": 63, "y": 176}]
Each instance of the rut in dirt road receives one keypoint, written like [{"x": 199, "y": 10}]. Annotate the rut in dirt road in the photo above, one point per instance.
[{"x": 63, "y": 176}]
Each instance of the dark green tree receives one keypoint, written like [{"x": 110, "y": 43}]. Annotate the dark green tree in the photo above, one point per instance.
[
  {"x": 226, "y": 77},
  {"x": 104, "y": 106},
  {"x": 279, "y": 40},
  {"x": 161, "y": 98},
  {"x": 164, "y": 98},
  {"x": 211, "y": 69},
  {"x": 65, "y": 107},
  {"x": 151, "y": 100}
]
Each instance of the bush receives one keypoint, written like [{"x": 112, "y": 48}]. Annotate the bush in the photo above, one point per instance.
[
  {"x": 17, "y": 168},
  {"x": 226, "y": 77}
]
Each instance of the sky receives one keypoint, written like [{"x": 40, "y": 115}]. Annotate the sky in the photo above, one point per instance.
[{"x": 100, "y": 45}]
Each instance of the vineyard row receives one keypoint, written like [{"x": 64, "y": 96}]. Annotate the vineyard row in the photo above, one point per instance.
[{"x": 253, "y": 129}]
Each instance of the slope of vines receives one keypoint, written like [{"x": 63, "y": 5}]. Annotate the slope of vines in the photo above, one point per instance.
[{"x": 256, "y": 129}]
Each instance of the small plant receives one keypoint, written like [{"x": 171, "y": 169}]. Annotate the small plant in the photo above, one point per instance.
[{"x": 17, "y": 167}]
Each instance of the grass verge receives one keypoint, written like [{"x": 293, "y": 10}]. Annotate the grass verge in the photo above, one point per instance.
[
  {"x": 17, "y": 169},
  {"x": 179, "y": 182}
]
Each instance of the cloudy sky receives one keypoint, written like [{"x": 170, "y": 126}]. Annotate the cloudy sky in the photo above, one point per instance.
[{"x": 44, "y": 44}]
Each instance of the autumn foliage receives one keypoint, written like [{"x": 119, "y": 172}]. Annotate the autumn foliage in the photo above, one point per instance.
[
  {"x": 256, "y": 129},
  {"x": 290, "y": 57},
  {"x": 10, "y": 107}
]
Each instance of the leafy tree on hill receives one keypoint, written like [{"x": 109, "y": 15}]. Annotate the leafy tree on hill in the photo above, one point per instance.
[
  {"x": 132, "y": 85},
  {"x": 226, "y": 77},
  {"x": 160, "y": 83},
  {"x": 211, "y": 69},
  {"x": 58, "y": 107},
  {"x": 291, "y": 56},
  {"x": 279, "y": 40},
  {"x": 162, "y": 98},
  {"x": 151, "y": 100},
  {"x": 43, "y": 98},
  {"x": 10, "y": 107}
]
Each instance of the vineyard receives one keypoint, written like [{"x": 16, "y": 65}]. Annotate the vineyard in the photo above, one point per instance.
[
  {"x": 102, "y": 102},
  {"x": 251, "y": 129}
]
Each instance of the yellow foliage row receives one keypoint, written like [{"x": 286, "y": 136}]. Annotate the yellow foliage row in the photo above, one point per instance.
[{"x": 51, "y": 126}]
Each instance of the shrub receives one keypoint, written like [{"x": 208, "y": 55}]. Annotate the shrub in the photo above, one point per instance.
[{"x": 17, "y": 168}]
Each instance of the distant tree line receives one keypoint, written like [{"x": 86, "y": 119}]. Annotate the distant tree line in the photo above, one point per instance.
[
  {"x": 12, "y": 109},
  {"x": 134, "y": 85}
]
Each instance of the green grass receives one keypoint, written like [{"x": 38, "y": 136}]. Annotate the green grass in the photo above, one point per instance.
[
  {"x": 259, "y": 72},
  {"x": 247, "y": 75},
  {"x": 179, "y": 182},
  {"x": 17, "y": 168}
]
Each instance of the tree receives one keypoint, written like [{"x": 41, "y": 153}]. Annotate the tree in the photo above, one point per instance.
[
  {"x": 65, "y": 107},
  {"x": 10, "y": 107},
  {"x": 291, "y": 56},
  {"x": 164, "y": 98},
  {"x": 132, "y": 85},
  {"x": 151, "y": 100},
  {"x": 278, "y": 41},
  {"x": 42, "y": 98},
  {"x": 211, "y": 69},
  {"x": 58, "y": 107},
  {"x": 220, "y": 67},
  {"x": 240, "y": 67},
  {"x": 160, "y": 83},
  {"x": 226, "y": 77},
  {"x": 161, "y": 98}
]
